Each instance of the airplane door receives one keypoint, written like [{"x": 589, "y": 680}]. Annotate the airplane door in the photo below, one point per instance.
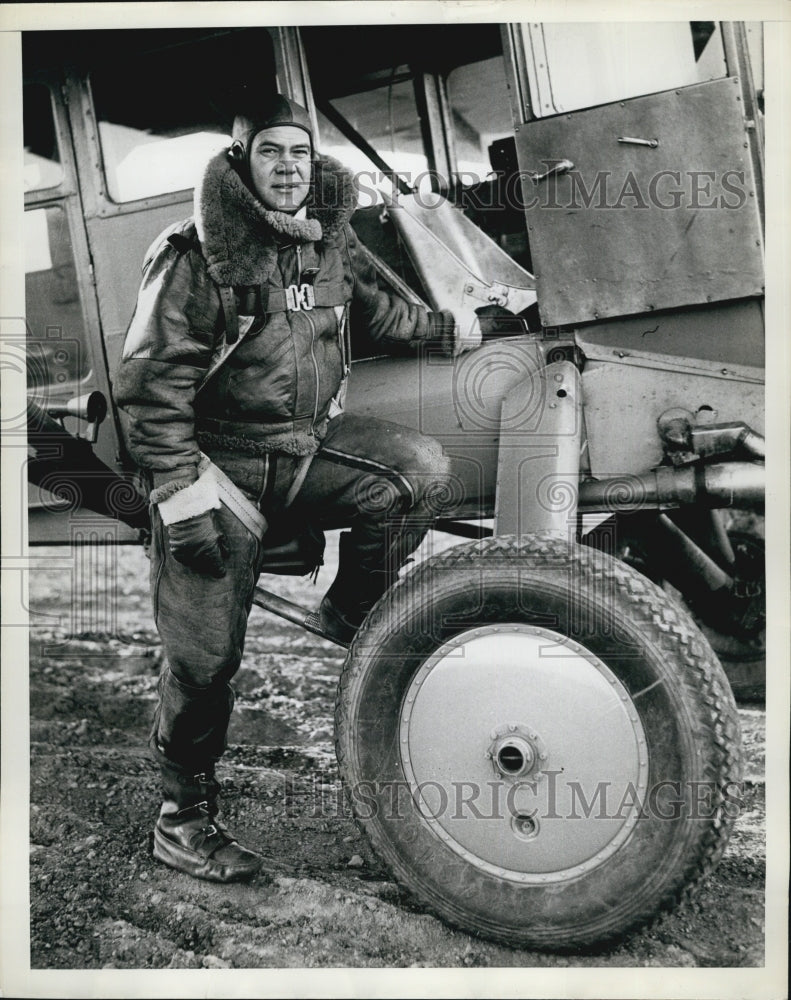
[{"x": 638, "y": 204}]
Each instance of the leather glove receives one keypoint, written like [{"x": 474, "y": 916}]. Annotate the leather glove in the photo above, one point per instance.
[
  {"x": 187, "y": 513},
  {"x": 456, "y": 331},
  {"x": 467, "y": 334},
  {"x": 198, "y": 544}
]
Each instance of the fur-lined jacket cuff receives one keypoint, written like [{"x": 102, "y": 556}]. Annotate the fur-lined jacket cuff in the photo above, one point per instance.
[
  {"x": 165, "y": 484},
  {"x": 196, "y": 499}
]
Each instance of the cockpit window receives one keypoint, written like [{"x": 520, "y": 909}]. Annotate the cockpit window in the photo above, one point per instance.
[
  {"x": 371, "y": 91},
  {"x": 429, "y": 100},
  {"x": 387, "y": 117},
  {"x": 42, "y": 167},
  {"x": 58, "y": 358},
  {"x": 573, "y": 66},
  {"x": 480, "y": 114},
  {"x": 164, "y": 105}
]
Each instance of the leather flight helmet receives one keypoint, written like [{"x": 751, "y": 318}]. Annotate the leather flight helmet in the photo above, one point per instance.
[{"x": 277, "y": 110}]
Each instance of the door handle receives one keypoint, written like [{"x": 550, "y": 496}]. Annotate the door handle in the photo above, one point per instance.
[
  {"x": 630, "y": 140},
  {"x": 561, "y": 167}
]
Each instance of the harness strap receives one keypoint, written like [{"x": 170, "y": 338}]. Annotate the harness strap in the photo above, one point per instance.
[
  {"x": 228, "y": 346},
  {"x": 233, "y": 498},
  {"x": 260, "y": 299},
  {"x": 299, "y": 478},
  {"x": 310, "y": 259},
  {"x": 228, "y": 301}
]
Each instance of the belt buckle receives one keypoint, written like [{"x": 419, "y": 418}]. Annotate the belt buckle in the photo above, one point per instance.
[{"x": 300, "y": 297}]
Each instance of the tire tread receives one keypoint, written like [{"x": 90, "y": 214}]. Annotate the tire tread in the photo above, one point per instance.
[{"x": 717, "y": 725}]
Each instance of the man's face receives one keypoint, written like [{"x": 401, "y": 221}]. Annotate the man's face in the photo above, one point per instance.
[{"x": 280, "y": 167}]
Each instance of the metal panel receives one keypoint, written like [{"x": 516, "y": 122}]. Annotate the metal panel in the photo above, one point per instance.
[
  {"x": 118, "y": 245},
  {"x": 47, "y": 526},
  {"x": 459, "y": 403},
  {"x": 625, "y": 396},
  {"x": 538, "y": 460},
  {"x": 610, "y": 238},
  {"x": 291, "y": 69},
  {"x": 729, "y": 333}
]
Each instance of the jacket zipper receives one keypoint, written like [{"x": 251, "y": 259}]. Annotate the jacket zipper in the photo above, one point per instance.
[
  {"x": 312, "y": 325},
  {"x": 309, "y": 318}
]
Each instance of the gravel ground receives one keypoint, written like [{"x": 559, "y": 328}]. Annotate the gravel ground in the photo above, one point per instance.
[{"x": 99, "y": 900}]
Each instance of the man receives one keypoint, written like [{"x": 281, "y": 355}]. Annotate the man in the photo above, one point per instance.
[{"x": 238, "y": 349}]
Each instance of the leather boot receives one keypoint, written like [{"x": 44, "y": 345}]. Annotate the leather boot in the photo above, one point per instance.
[
  {"x": 338, "y": 625},
  {"x": 194, "y": 840},
  {"x": 357, "y": 586}
]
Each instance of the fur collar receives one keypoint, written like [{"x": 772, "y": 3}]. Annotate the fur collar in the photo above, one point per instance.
[{"x": 239, "y": 236}]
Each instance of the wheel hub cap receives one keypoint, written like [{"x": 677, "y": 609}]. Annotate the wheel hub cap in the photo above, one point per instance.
[{"x": 523, "y": 752}]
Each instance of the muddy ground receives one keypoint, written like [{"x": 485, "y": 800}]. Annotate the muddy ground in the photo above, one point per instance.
[{"x": 99, "y": 900}]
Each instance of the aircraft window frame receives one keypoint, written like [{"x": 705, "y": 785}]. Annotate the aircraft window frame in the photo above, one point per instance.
[
  {"x": 52, "y": 285},
  {"x": 96, "y": 193},
  {"x": 104, "y": 200},
  {"x": 463, "y": 173},
  {"x": 112, "y": 197},
  {"x": 397, "y": 85},
  {"x": 37, "y": 194},
  {"x": 541, "y": 91}
]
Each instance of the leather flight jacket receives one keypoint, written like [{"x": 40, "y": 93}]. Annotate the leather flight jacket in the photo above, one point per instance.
[{"x": 288, "y": 283}]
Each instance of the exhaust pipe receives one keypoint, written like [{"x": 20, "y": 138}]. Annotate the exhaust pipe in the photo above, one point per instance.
[
  {"x": 67, "y": 466},
  {"x": 726, "y": 484}
]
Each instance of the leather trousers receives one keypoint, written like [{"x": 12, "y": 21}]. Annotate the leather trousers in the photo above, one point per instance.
[{"x": 383, "y": 481}]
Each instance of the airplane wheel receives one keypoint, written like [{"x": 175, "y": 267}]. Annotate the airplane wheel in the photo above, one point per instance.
[{"x": 539, "y": 744}]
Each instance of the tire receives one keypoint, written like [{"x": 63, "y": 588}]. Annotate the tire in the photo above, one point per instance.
[{"x": 530, "y": 668}]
